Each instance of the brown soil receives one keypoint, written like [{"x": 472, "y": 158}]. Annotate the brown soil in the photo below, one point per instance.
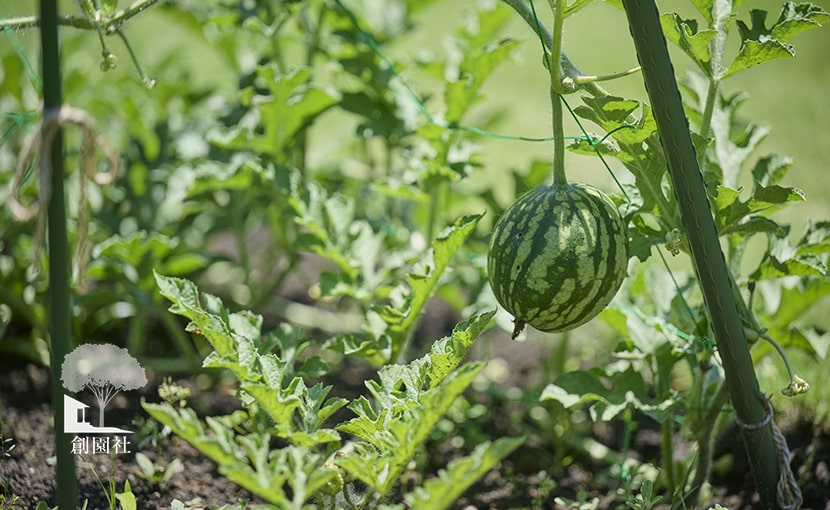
[{"x": 28, "y": 473}]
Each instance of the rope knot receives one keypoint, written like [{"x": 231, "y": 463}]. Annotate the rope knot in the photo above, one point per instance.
[{"x": 39, "y": 145}]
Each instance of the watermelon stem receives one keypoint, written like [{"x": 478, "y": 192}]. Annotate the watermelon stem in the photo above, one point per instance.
[
  {"x": 554, "y": 65},
  {"x": 559, "y": 177}
]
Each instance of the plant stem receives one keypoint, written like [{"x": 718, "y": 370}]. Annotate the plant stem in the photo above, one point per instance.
[
  {"x": 547, "y": 40},
  {"x": 708, "y": 108},
  {"x": 60, "y": 298},
  {"x": 108, "y": 24},
  {"x": 556, "y": 44},
  {"x": 713, "y": 274},
  {"x": 559, "y": 177},
  {"x": 704, "y": 439},
  {"x": 666, "y": 442},
  {"x": 570, "y": 70}
]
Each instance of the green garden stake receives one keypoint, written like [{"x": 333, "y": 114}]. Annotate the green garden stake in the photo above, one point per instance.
[
  {"x": 751, "y": 406},
  {"x": 60, "y": 326}
]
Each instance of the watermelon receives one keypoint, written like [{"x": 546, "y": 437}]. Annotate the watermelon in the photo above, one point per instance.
[{"x": 557, "y": 256}]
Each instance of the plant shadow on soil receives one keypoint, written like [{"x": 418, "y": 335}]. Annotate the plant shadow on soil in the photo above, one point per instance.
[{"x": 28, "y": 471}]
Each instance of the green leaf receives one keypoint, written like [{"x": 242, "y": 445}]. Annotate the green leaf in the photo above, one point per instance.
[
  {"x": 400, "y": 435},
  {"x": 393, "y": 187},
  {"x": 447, "y": 353},
  {"x": 796, "y": 18},
  {"x": 760, "y": 44},
  {"x": 280, "y": 124},
  {"x": 442, "y": 492},
  {"x": 608, "y": 394},
  {"x": 367, "y": 464},
  {"x": 185, "y": 424},
  {"x": 771, "y": 169},
  {"x": 481, "y": 55},
  {"x": 806, "y": 338},
  {"x": 280, "y": 405},
  {"x": 412, "y": 398},
  {"x": 794, "y": 300},
  {"x": 704, "y": 7},
  {"x": 755, "y": 225},
  {"x": 249, "y": 460},
  {"x": 375, "y": 351},
  {"x": 735, "y": 140},
  {"x": 463, "y": 92},
  {"x": 753, "y": 53},
  {"x": 573, "y": 388},
  {"x": 774, "y": 267},
  {"x": 685, "y": 34},
  {"x": 126, "y": 498},
  {"x": 186, "y": 302},
  {"x": 816, "y": 239},
  {"x": 731, "y": 210},
  {"x": 422, "y": 284}
]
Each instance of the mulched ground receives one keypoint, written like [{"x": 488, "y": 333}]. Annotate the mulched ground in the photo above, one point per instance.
[{"x": 28, "y": 471}]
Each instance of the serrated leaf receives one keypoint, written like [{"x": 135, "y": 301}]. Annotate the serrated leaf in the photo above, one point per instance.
[
  {"x": 447, "y": 353},
  {"x": 753, "y": 53},
  {"x": 375, "y": 351},
  {"x": 640, "y": 244},
  {"x": 280, "y": 405},
  {"x": 731, "y": 210},
  {"x": 760, "y": 44},
  {"x": 398, "y": 432},
  {"x": 367, "y": 464},
  {"x": 607, "y": 394},
  {"x": 249, "y": 460},
  {"x": 771, "y": 169},
  {"x": 608, "y": 112},
  {"x": 816, "y": 239},
  {"x": 796, "y": 18},
  {"x": 685, "y": 34},
  {"x": 442, "y": 492},
  {"x": 292, "y": 105},
  {"x": 185, "y": 424},
  {"x": 186, "y": 302},
  {"x": 773, "y": 267},
  {"x": 422, "y": 286}
]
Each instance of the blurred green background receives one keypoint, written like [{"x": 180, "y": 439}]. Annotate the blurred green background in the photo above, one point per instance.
[{"x": 788, "y": 95}]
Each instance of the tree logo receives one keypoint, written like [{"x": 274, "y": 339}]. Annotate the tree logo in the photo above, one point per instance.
[{"x": 104, "y": 370}]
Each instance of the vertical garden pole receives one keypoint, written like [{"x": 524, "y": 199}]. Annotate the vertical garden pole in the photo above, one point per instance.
[
  {"x": 60, "y": 331},
  {"x": 751, "y": 406}
]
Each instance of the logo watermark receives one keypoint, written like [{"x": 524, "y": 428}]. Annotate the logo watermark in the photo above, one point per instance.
[{"x": 104, "y": 370}]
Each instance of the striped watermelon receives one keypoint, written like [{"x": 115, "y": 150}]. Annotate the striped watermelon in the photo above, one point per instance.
[{"x": 557, "y": 256}]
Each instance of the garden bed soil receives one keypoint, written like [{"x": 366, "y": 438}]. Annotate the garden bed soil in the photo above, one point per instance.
[{"x": 28, "y": 471}]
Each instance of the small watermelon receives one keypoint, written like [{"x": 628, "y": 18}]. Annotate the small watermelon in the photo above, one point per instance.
[{"x": 557, "y": 257}]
